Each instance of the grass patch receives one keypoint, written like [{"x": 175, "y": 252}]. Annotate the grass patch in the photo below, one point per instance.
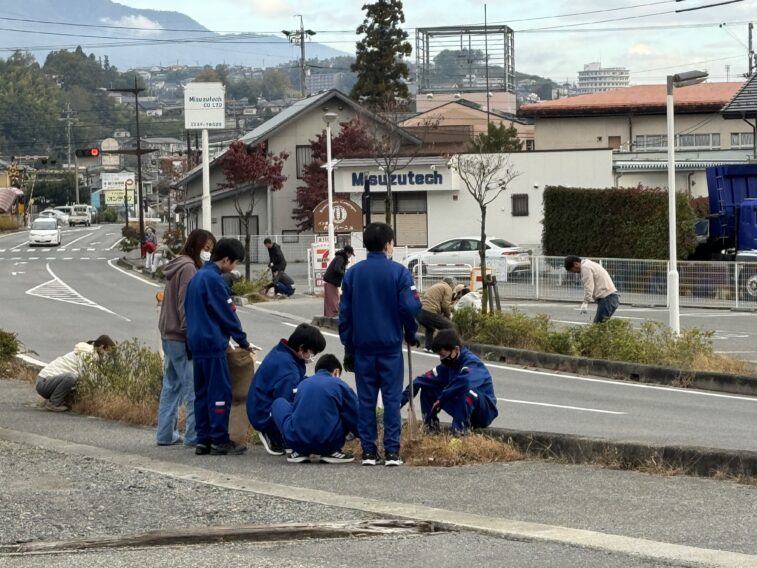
[
  {"x": 8, "y": 222},
  {"x": 121, "y": 384},
  {"x": 652, "y": 343},
  {"x": 10, "y": 346},
  {"x": 14, "y": 369},
  {"x": 253, "y": 289}
]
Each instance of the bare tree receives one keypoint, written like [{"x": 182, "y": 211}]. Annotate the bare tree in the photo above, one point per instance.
[{"x": 486, "y": 177}]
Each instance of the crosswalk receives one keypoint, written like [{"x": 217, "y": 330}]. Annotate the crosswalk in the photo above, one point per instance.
[{"x": 48, "y": 258}]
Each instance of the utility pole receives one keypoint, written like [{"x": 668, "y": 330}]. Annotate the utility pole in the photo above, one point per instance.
[
  {"x": 298, "y": 37},
  {"x": 751, "y": 50},
  {"x": 68, "y": 112},
  {"x": 486, "y": 63}
]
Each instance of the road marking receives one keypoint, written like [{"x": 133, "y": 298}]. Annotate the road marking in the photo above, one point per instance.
[
  {"x": 68, "y": 258},
  {"x": 579, "y": 408},
  {"x": 657, "y": 552},
  {"x": 17, "y": 273},
  {"x": 582, "y": 378},
  {"x": 110, "y": 263},
  {"x": 50, "y": 258},
  {"x": 31, "y": 360},
  {"x": 33, "y": 258},
  {"x": 76, "y": 240},
  {"x": 102, "y": 258},
  {"x": 84, "y": 258},
  {"x": 114, "y": 245},
  {"x": 75, "y": 250},
  {"x": 59, "y": 291},
  {"x": 16, "y": 258},
  {"x": 91, "y": 250},
  {"x": 95, "y": 243}
]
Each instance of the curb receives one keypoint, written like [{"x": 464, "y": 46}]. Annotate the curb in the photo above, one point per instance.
[
  {"x": 123, "y": 263},
  {"x": 617, "y": 370},
  {"x": 688, "y": 460}
]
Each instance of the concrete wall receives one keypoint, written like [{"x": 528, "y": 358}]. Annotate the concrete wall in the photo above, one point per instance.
[
  {"x": 694, "y": 184},
  {"x": 594, "y": 132},
  {"x": 460, "y": 115}
]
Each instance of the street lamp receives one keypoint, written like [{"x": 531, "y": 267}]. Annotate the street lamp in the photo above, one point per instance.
[
  {"x": 679, "y": 80},
  {"x": 328, "y": 118}
]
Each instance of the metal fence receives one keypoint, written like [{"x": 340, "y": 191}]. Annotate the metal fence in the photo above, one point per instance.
[
  {"x": 640, "y": 282},
  {"x": 294, "y": 247}
]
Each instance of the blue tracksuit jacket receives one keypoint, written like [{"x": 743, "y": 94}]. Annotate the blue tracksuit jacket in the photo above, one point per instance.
[
  {"x": 379, "y": 301},
  {"x": 464, "y": 391},
  {"x": 277, "y": 377},
  {"x": 211, "y": 315},
  {"x": 323, "y": 413}
]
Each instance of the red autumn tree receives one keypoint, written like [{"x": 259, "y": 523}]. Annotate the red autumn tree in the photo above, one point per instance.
[
  {"x": 351, "y": 141},
  {"x": 251, "y": 169}
]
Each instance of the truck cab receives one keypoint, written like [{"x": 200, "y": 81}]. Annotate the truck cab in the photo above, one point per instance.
[{"x": 79, "y": 216}]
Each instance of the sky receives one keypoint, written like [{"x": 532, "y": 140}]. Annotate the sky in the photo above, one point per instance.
[{"x": 649, "y": 53}]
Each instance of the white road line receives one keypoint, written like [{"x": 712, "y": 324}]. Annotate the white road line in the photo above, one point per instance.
[
  {"x": 75, "y": 250},
  {"x": 31, "y": 360},
  {"x": 102, "y": 258},
  {"x": 59, "y": 291},
  {"x": 114, "y": 245},
  {"x": 76, "y": 240},
  {"x": 68, "y": 258},
  {"x": 578, "y": 408},
  {"x": 91, "y": 250},
  {"x": 33, "y": 258},
  {"x": 84, "y": 258},
  {"x": 110, "y": 263},
  {"x": 50, "y": 258},
  {"x": 581, "y": 378}
]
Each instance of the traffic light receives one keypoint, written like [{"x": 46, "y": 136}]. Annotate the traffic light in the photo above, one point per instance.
[{"x": 87, "y": 153}]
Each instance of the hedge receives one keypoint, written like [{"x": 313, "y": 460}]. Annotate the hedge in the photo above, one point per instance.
[{"x": 614, "y": 223}]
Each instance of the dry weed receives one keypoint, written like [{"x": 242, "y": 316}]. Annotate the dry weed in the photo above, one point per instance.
[
  {"x": 722, "y": 364},
  {"x": 117, "y": 407},
  {"x": 18, "y": 370}
]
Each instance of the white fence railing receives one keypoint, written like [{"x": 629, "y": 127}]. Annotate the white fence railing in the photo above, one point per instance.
[{"x": 640, "y": 282}]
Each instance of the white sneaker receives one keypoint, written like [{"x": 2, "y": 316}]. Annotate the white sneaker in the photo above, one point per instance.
[
  {"x": 338, "y": 457},
  {"x": 392, "y": 460},
  {"x": 294, "y": 457}
]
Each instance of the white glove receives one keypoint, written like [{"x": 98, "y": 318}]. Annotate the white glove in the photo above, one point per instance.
[{"x": 584, "y": 308}]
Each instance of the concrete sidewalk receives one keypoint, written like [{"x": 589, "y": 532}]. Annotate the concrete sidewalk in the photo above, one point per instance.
[{"x": 679, "y": 520}]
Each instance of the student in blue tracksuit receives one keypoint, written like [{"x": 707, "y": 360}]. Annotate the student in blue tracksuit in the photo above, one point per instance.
[
  {"x": 323, "y": 414},
  {"x": 461, "y": 386},
  {"x": 211, "y": 320},
  {"x": 377, "y": 311},
  {"x": 277, "y": 377}
]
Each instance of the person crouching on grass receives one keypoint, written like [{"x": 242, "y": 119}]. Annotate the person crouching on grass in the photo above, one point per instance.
[
  {"x": 211, "y": 319},
  {"x": 323, "y": 414},
  {"x": 461, "y": 386}
]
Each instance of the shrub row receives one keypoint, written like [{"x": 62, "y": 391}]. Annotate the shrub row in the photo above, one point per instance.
[{"x": 614, "y": 223}]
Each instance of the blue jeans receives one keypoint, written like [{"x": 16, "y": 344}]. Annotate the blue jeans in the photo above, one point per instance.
[
  {"x": 606, "y": 307},
  {"x": 178, "y": 388}
]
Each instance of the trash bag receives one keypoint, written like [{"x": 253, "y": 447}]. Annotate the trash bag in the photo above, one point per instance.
[{"x": 241, "y": 369}]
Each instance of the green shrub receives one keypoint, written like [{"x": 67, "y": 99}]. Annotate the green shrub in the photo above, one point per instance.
[
  {"x": 130, "y": 369},
  {"x": 174, "y": 239},
  {"x": 109, "y": 215},
  {"x": 614, "y": 223},
  {"x": 130, "y": 234},
  {"x": 8, "y": 222},
  {"x": 9, "y": 346},
  {"x": 651, "y": 343},
  {"x": 255, "y": 286}
]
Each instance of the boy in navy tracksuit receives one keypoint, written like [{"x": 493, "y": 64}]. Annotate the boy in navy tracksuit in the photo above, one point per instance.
[
  {"x": 211, "y": 319},
  {"x": 323, "y": 414},
  {"x": 377, "y": 311},
  {"x": 461, "y": 386},
  {"x": 277, "y": 377}
]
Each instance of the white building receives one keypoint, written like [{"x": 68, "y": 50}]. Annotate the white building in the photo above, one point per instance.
[{"x": 595, "y": 78}]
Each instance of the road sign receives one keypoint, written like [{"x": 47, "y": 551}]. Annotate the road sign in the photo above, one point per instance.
[
  {"x": 115, "y": 197},
  {"x": 110, "y": 161},
  {"x": 204, "y": 106},
  {"x": 117, "y": 180}
]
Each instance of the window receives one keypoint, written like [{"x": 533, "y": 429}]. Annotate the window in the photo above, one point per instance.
[
  {"x": 447, "y": 246},
  {"x": 529, "y": 145},
  {"x": 742, "y": 140},
  {"x": 304, "y": 156},
  {"x": 657, "y": 142},
  {"x": 520, "y": 204}
]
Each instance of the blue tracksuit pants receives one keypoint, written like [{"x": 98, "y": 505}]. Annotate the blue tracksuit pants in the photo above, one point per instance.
[
  {"x": 470, "y": 410},
  {"x": 212, "y": 399},
  {"x": 374, "y": 373},
  {"x": 281, "y": 413}
]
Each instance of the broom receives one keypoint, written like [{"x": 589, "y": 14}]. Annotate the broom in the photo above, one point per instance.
[{"x": 414, "y": 431}]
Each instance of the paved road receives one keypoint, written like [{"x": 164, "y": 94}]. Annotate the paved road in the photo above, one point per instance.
[{"x": 52, "y": 303}]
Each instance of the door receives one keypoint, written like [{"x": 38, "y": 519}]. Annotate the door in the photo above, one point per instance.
[{"x": 443, "y": 253}]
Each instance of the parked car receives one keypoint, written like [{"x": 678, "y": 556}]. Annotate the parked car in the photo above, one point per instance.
[
  {"x": 61, "y": 217},
  {"x": 464, "y": 250},
  {"x": 79, "y": 216},
  {"x": 44, "y": 231}
]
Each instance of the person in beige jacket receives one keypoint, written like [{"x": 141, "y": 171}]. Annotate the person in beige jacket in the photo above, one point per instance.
[
  {"x": 598, "y": 287},
  {"x": 436, "y": 308}
]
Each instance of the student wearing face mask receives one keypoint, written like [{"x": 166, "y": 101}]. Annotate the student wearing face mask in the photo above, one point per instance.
[
  {"x": 277, "y": 377},
  {"x": 461, "y": 386},
  {"x": 178, "y": 376}
]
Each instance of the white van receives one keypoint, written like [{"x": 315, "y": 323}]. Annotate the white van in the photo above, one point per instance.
[{"x": 80, "y": 216}]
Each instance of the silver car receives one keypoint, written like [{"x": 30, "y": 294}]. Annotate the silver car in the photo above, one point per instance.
[{"x": 458, "y": 255}]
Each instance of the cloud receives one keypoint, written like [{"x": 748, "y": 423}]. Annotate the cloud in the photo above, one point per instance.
[
  {"x": 148, "y": 26},
  {"x": 641, "y": 49},
  {"x": 267, "y": 9}
]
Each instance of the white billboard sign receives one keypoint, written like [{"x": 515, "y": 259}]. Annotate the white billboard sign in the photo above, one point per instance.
[
  {"x": 110, "y": 161},
  {"x": 117, "y": 180},
  {"x": 204, "y": 106}
]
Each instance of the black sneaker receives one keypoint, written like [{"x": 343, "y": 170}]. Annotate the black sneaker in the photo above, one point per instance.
[
  {"x": 202, "y": 449},
  {"x": 392, "y": 460},
  {"x": 294, "y": 457},
  {"x": 273, "y": 448},
  {"x": 228, "y": 448},
  {"x": 339, "y": 457},
  {"x": 370, "y": 458}
]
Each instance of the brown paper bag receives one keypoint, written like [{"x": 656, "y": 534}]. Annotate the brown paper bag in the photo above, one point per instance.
[{"x": 241, "y": 369}]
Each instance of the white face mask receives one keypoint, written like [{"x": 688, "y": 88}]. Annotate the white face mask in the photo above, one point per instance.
[{"x": 204, "y": 256}]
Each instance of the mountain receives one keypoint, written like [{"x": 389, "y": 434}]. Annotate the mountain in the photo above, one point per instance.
[{"x": 24, "y": 26}]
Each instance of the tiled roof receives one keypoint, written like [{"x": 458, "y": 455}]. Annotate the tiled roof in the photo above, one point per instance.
[
  {"x": 649, "y": 99},
  {"x": 744, "y": 102}
]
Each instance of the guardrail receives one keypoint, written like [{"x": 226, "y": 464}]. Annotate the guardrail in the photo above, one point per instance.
[{"x": 731, "y": 285}]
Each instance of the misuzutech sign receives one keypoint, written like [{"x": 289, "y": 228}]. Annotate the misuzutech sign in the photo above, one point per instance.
[{"x": 408, "y": 179}]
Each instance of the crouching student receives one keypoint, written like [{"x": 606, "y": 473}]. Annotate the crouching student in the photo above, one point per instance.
[
  {"x": 211, "y": 319},
  {"x": 323, "y": 414},
  {"x": 278, "y": 376},
  {"x": 461, "y": 386},
  {"x": 56, "y": 382}
]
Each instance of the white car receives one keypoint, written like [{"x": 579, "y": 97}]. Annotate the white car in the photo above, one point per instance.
[
  {"x": 453, "y": 256},
  {"x": 44, "y": 231},
  {"x": 61, "y": 217}
]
